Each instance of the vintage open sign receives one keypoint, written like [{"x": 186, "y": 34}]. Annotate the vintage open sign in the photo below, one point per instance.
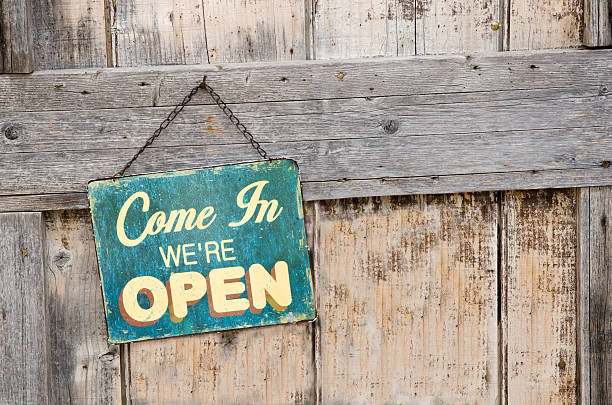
[{"x": 202, "y": 250}]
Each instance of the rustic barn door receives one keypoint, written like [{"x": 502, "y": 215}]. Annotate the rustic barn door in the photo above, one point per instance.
[{"x": 494, "y": 297}]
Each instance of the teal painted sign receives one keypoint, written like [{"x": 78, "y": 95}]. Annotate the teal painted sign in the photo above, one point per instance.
[{"x": 202, "y": 250}]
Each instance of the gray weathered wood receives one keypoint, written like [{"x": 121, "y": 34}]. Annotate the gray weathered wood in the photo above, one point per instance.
[
  {"x": 16, "y": 53},
  {"x": 23, "y": 357},
  {"x": 583, "y": 291},
  {"x": 69, "y": 33},
  {"x": 600, "y": 293},
  {"x": 83, "y": 367},
  {"x": 549, "y": 119},
  {"x": 597, "y": 23},
  {"x": 307, "y": 80},
  {"x": 363, "y": 150}
]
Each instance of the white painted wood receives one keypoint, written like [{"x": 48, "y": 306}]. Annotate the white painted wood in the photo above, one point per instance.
[
  {"x": 544, "y": 24},
  {"x": 363, "y": 28},
  {"x": 157, "y": 33},
  {"x": 255, "y": 30},
  {"x": 455, "y": 26}
]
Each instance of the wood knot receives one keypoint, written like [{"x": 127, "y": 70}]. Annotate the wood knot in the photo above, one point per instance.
[
  {"x": 390, "y": 126},
  {"x": 12, "y": 131},
  {"x": 605, "y": 164},
  {"x": 62, "y": 258}
]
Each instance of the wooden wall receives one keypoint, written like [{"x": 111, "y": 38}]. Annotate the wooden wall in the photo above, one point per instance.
[{"x": 448, "y": 299}]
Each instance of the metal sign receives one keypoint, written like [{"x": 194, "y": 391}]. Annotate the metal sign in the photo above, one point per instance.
[{"x": 202, "y": 250}]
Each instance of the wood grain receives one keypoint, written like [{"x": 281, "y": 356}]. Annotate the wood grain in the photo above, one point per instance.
[
  {"x": 407, "y": 294},
  {"x": 583, "y": 260},
  {"x": 69, "y": 34},
  {"x": 157, "y": 33},
  {"x": 22, "y": 310},
  {"x": 363, "y": 28},
  {"x": 83, "y": 367},
  {"x": 600, "y": 292},
  {"x": 16, "y": 53},
  {"x": 255, "y": 30},
  {"x": 597, "y": 23},
  {"x": 271, "y": 365},
  {"x": 539, "y": 297},
  {"x": 454, "y": 26},
  {"x": 307, "y": 80},
  {"x": 544, "y": 24},
  {"x": 367, "y": 148}
]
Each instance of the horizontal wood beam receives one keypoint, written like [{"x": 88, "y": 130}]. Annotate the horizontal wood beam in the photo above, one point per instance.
[{"x": 388, "y": 126}]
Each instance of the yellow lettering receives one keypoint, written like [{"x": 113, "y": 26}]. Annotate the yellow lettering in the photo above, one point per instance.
[
  {"x": 131, "y": 310},
  {"x": 225, "y": 288},
  {"x": 184, "y": 289},
  {"x": 270, "y": 207},
  {"x": 273, "y": 288}
]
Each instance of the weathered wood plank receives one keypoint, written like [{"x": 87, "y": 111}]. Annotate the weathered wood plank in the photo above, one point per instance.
[
  {"x": 307, "y": 80},
  {"x": 22, "y": 310},
  {"x": 157, "y": 33},
  {"x": 597, "y": 23},
  {"x": 69, "y": 34},
  {"x": 407, "y": 295},
  {"x": 251, "y": 30},
  {"x": 539, "y": 309},
  {"x": 583, "y": 218},
  {"x": 544, "y": 24},
  {"x": 600, "y": 292},
  {"x": 331, "y": 160},
  {"x": 557, "y": 121},
  {"x": 270, "y": 365},
  {"x": 382, "y": 117},
  {"x": 314, "y": 191},
  {"x": 83, "y": 367},
  {"x": 16, "y": 49},
  {"x": 354, "y": 29},
  {"x": 454, "y": 26}
]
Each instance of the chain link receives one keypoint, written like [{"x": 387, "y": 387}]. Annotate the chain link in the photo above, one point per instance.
[{"x": 177, "y": 110}]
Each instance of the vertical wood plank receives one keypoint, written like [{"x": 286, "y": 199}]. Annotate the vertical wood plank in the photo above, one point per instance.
[
  {"x": 23, "y": 355},
  {"x": 255, "y": 30},
  {"x": 600, "y": 305},
  {"x": 407, "y": 297},
  {"x": 362, "y": 28},
  {"x": 454, "y": 26},
  {"x": 597, "y": 23},
  {"x": 160, "y": 32},
  {"x": 84, "y": 368},
  {"x": 544, "y": 24},
  {"x": 16, "y": 55},
  {"x": 583, "y": 278},
  {"x": 540, "y": 297},
  {"x": 271, "y": 365},
  {"x": 69, "y": 34}
]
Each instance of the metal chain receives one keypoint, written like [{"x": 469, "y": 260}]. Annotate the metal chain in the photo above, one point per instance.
[{"x": 222, "y": 105}]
